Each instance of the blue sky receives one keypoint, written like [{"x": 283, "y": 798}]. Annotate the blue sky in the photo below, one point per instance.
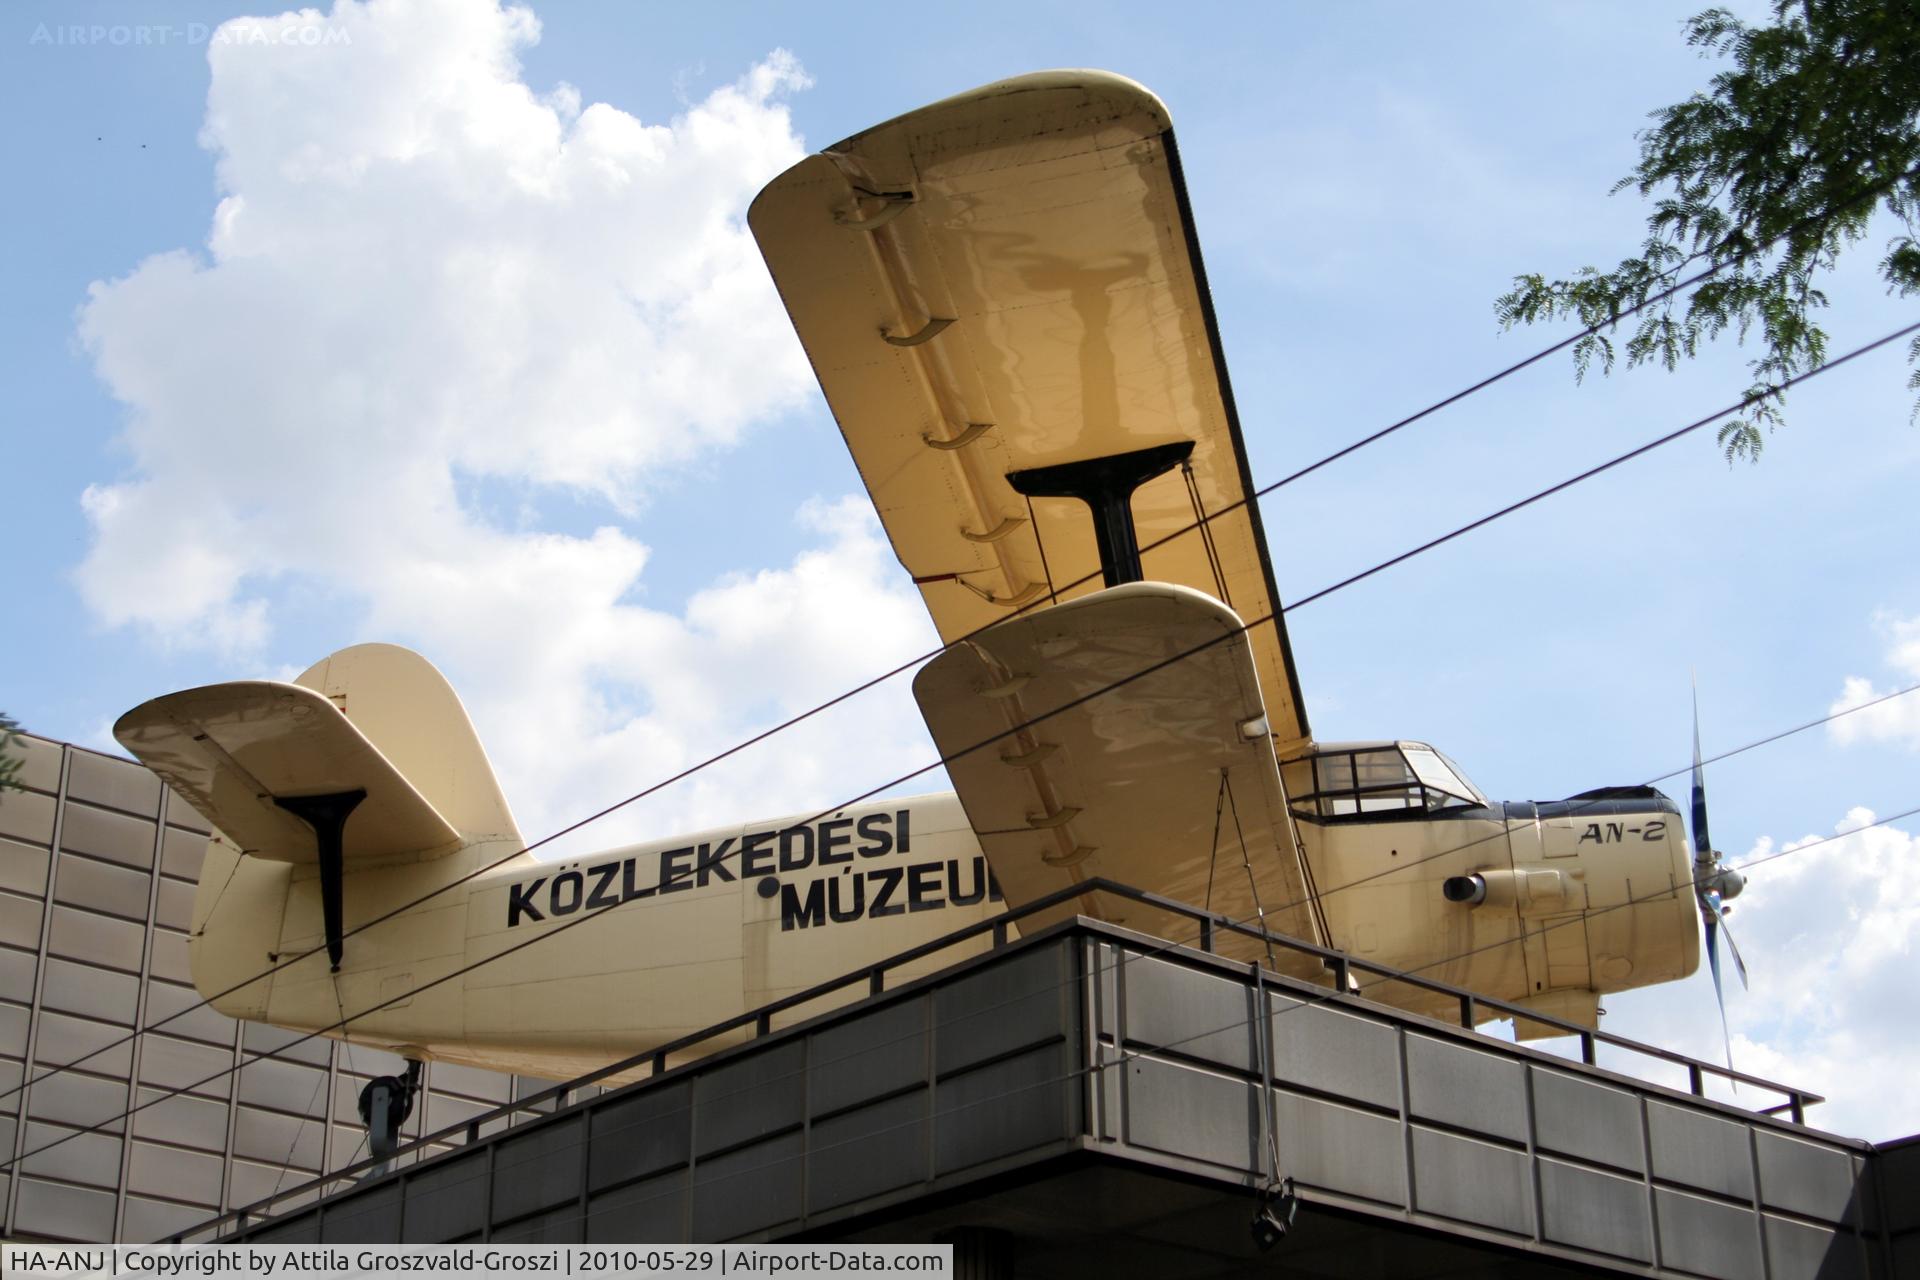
[{"x": 324, "y": 382}]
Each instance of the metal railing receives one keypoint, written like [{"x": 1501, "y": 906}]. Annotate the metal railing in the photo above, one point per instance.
[{"x": 1211, "y": 924}]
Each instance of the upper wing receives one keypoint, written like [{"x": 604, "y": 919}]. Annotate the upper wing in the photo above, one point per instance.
[
  {"x": 1119, "y": 736},
  {"x": 231, "y": 749},
  {"x": 1006, "y": 280}
]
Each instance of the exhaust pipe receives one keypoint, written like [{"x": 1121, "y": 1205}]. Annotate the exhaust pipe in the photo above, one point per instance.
[
  {"x": 1532, "y": 889},
  {"x": 1472, "y": 890}
]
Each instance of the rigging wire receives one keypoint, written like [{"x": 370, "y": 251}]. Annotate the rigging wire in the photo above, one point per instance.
[
  {"x": 1246, "y": 626},
  {"x": 1869, "y": 191}
]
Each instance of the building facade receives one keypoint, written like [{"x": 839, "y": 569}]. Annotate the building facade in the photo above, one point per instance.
[{"x": 98, "y": 865}]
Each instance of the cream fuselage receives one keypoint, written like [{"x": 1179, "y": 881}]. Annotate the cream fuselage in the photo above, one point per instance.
[{"x": 592, "y": 960}]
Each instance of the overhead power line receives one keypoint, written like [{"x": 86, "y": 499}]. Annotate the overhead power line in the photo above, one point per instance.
[
  {"x": 583, "y": 917},
  {"x": 1870, "y": 191}
]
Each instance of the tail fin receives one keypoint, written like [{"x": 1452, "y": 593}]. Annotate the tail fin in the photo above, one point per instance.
[
  {"x": 406, "y": 708},
  {"x": 374, "y": 719}
]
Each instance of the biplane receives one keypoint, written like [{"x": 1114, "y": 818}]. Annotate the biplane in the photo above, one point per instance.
[{"x": 1003, "y": 298}]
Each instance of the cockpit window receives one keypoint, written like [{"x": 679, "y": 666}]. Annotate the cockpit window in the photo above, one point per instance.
[{"x": 1382, "y": 778}]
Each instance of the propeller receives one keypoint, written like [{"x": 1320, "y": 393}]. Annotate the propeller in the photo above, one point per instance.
[{"x": 1714, "y": 884}]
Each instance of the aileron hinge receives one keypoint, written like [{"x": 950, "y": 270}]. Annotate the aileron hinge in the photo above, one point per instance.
[
  {"x": 934, "y": 326},
  {"x": 973, "y": 431},
  {"x": 996, "y": 533},
  {"x": 1019, "y": 599},
  {"x": 1058, "y": 818},
  {"x": 1072, "y": 858},
  {"x": 1029, "y": 759},
  {"x": 892, "y": 205}
]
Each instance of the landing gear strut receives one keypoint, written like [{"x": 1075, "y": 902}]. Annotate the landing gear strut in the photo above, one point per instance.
[{"x": 385, "y": 1104}]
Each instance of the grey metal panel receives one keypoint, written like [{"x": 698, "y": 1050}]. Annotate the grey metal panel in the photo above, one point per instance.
[
  {"x": 292, "y": 1046},
  {"x": 1013, "y": 1105},
  {"x": 1188, "y": 1012},
  {"x": 39, "y": 762},
  {"x": 182, "y": 814},
  {"x": 170, "y": 956},
  {"x": 1193, "y": 1113},
  {"x": 1000, "y": 1008},
  {"x": 72, "y": 1155},
  {"x": 13, "y": 1033},
  {"x": 749, "y": 1098},
  {"x": 1322, "y": 1048},
  {"x": 172, "y": 903},
  {"x": 1469, "y": 1088},
  {"x": 92, "y": 938},
  {"x": 82, "y": 989},
  {"x": 1353, "y": 1152},
  {"x": 16, "y": 975},
  {"x": 183, "y": 1120},
  {"x": 1802, "y": 1251},
  {"x": 288, "y": 1086},
  {"x": 1700, "y": 1150},
  {"x": 443, "y": 1110},
  {"x": 747, "y": 1190},
  {"x": 1800, "y": 1177},
  {"x": 67, "y": 1041},
  {"x": 12, "y": 1072},
  {"x": 103, "y": 886},
  {"x": 369, "y": 1216},
  {"x": 179, "y": 1011},
  {"x": 538, "y": 1167},
  {"x": 23, "y": 869},
  {"x": 654, "y": 1211},
  {"x": 65, "y": 1213},
  {"x": 1588, "y": 1209},
  {"x": 1586, "y": 1119},
  {"x": 27, "y": 816},
  {"x": 104, "y": 834},
  {"x": 76, "y": 1099},
  {"x": 182, "y": 852},
  {"x": 278, "y": 1139},
  {"x": 1472, "y": 1181},
  {"x": 249, "y": 1181},
  {"x": 116, "y": 784},
  {"x": 470, "y": 1082},
  {"x": 868, "y": 1057},
  {"x": 1706, "y": 1237},
  {"x": 182, "y": 1064},
  {"x": 556, "y": 1226},
  {"x": 168, "y": 1171},
  {"x": 447, "y": 1201},
  {"x": 298, "y": 1228},
  {"x": 862, "y": 1153},
  {"x": 639, "y": 1134},
  {"x": 149, "y": 1220},
  {"x": 20, "y": 921}
]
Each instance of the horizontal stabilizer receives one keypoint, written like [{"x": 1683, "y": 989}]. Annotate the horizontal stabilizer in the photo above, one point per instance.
[{"x": 233, "y": 750}]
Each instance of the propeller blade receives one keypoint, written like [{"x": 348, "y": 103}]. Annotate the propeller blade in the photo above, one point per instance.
[
  {"x": 1739, "y": 965},
  {"x": 1702, "y": 848},
  {"x": 1710, "y": 917}
]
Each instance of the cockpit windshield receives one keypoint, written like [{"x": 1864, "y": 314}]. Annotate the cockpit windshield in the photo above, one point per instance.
[{"x": 1379, "y": 778}]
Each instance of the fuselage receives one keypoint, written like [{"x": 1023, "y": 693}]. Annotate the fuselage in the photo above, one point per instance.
[{"x": 591, "y": 960}]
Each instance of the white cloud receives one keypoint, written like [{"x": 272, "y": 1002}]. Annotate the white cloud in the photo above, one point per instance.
[
  {"x": 1829, "y": 935},
  {"x": 421, "y": 274},
  {"x": 1898, "y": 720}
]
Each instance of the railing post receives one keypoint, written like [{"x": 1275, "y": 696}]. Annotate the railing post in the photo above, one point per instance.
[
  {"x": 999, "y": 933},
  {"x": 1694, "y": 1082},
  {"x": 1466, "y": 1011},
  {"x": 1206, "y": 933},
  {"x": 1587, "y": 1054},
  {"x": 1797, "y": 1106},
  {"x": 876, "y": 982}
]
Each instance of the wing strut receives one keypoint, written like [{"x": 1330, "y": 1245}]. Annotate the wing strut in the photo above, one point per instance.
[
  {"x": 1106, "y": 485},
  {"x": 327, "y": 815}
]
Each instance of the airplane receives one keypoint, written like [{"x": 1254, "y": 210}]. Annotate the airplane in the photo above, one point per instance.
[{"x": 1003, "y": 299}]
